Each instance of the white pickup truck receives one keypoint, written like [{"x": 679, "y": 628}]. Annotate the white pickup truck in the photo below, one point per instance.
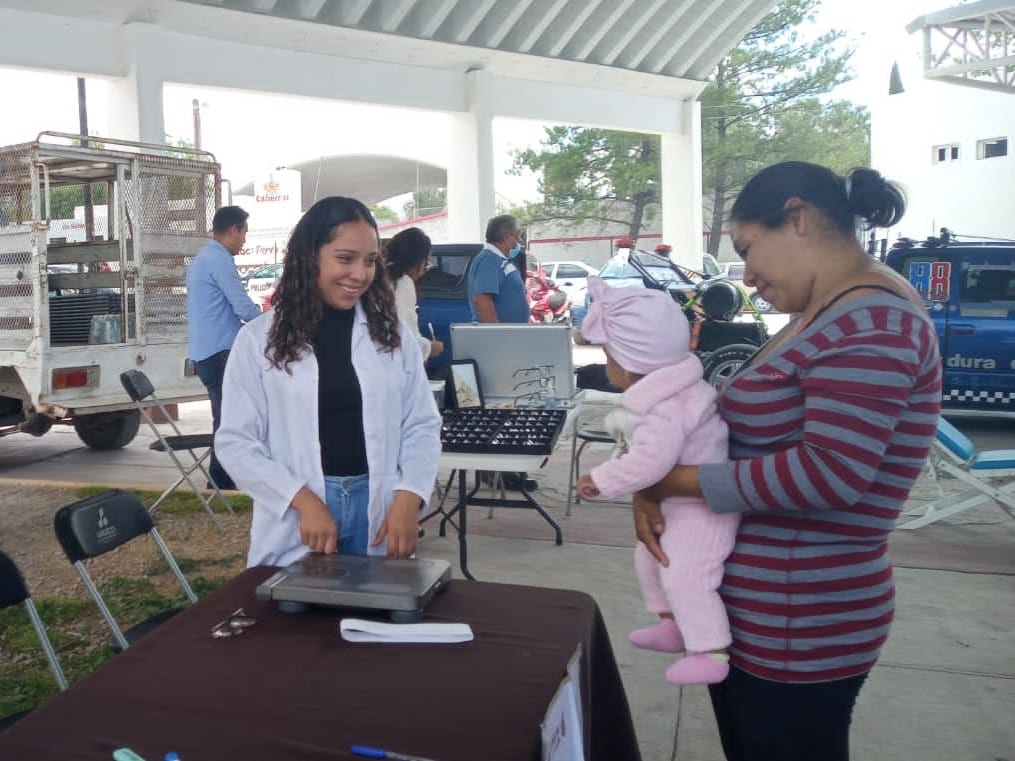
[{"x": 74, "y": 315}]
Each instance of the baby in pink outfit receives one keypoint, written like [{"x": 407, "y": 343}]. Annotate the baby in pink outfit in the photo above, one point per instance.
[{"x": 666, "y": 416}]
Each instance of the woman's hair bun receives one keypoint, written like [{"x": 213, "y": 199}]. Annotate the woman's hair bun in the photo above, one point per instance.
[{"x": 873, "y": 198}]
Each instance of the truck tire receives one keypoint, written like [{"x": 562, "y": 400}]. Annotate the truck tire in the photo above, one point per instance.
[
  {"x": 108, "y": 430},
  {"x": 721, "y": 364}
]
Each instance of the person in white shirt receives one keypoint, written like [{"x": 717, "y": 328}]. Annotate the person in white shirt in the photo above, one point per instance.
[
  {"x": 328, "y": 422},
  {"x": 408, "y": 258}
]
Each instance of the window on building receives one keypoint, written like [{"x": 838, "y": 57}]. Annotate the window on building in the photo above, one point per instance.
[
  {"x": 992, "y": 148},
  {"x": 944, "y": 153}
]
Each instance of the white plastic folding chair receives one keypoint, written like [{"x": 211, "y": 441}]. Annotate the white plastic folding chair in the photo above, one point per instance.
[
  {"x": 955, "y": 455},
  {"x": 142, "y": 393}
]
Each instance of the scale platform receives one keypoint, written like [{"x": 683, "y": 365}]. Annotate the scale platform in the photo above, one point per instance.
[{"x": 403, "y": 588}]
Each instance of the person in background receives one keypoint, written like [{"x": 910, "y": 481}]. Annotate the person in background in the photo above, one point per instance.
[
  {"x": 496, "y": 292},
  {"x": 408, "y": 258},
  {"x": 830, "y": 425},
  {"x": 495, "y": 285},
  {"x": 328, "y": 421},
  {"x": 666, "y": 415},
  {"x": 217, "y": 306}
]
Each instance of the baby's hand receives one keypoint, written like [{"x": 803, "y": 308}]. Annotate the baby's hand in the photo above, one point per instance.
[{"x": 587, "y": 487}]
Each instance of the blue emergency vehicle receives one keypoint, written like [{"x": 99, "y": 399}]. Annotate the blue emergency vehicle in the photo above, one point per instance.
[{"x": 969, "y": 290}]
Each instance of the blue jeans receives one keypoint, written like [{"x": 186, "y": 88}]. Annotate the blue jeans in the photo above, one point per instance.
[
  {"x": 348, "y": 498},
  {"x": 211, "y": 370}
]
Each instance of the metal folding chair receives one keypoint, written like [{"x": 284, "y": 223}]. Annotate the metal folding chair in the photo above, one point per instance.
[
  {"x": 587, "y": 432},
  {"x": 955, "y": 455},
  {"x": 95, "y": 525},
  {"x": 142, "y": 393},
  {"x": 13, "y": 591}
]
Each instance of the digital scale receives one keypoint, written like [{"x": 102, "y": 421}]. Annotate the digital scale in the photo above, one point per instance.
[{"x": 403, "y": 588}]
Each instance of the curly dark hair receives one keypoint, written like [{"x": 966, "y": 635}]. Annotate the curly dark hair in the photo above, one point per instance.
[{"x": 297, "y": 299}]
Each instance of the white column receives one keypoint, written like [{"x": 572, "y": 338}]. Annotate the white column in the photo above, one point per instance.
[
  {"x": 135, "y": 101},
  {"x": 681, "y": 187},
  {"x": 470, "y": 165}
]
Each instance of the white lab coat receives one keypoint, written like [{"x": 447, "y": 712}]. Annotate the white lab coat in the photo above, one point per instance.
[{"x": 269, "y": 439}]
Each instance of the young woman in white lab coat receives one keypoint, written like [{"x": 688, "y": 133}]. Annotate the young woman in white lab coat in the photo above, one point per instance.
[
  {"x": 408, "y": 257},
  {"x": 328, "y": 422}
]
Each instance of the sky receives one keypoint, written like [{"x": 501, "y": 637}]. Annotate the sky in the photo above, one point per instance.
[{"x": 250, "y": 133}]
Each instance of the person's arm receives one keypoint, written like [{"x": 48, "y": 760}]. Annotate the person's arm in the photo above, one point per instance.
[
  {"x": 228, "y": 280},
  {"x": 486, "y": 283},
  {"x": 854, "y": 390},
  {"x": 418, "y": 457},
  {"x": 656, "y": 442},
  {"x": 405, "y": 306},
  {"x": 485, "y": 309},
  {"x": 241, "y": 441}
]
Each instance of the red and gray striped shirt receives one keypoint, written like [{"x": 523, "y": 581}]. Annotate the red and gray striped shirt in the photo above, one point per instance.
[{"x": 828, "y": 433}]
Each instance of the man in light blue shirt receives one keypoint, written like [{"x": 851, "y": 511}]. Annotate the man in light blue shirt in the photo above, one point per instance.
[
  {"x": 217, "y": 305},
  {"x": 496, "y": 292},
  {"x": 495, "y": 287}
]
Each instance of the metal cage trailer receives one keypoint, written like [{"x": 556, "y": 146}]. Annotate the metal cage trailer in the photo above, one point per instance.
[{"x": 78, "y": 309}]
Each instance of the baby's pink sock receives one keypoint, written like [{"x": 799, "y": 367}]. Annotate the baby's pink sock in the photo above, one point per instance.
[{"x": 664, "y": 637}]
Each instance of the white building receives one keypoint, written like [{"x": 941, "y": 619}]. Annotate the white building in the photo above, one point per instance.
[{"x": 950, "y": 145}]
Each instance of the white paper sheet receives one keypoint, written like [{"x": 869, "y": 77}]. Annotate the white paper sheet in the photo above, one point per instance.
[{"x": 362, "y": 630}]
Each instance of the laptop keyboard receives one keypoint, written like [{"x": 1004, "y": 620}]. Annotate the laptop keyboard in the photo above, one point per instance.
[{"x": 503, "y": 431}]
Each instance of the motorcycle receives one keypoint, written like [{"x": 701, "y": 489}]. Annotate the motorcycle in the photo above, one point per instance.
[{"x": 547, "y": 303}]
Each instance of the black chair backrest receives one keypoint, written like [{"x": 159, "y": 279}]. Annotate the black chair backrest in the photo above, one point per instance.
[
  {"x": 12, "y": 584},
  {"x": 95, "y": 525},
  {"x": 136, "y": 384}
]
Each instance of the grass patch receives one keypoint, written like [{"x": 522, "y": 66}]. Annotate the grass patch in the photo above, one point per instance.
[
  {"x": 180, "y": 502},
  {"x": 75, "y": 627},
  {"x": 78, "y": 633}
]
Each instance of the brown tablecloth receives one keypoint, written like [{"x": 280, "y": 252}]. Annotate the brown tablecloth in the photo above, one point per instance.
[{"x": 290, "y": 688}]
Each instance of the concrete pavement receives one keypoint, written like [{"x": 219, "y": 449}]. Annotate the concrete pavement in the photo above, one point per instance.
[{"x": 944, "y": 689}]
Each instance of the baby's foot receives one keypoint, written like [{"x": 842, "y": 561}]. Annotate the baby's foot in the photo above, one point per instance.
[
  {"x": 699, "y": 668},
  {"x": 664, "y": 637}
]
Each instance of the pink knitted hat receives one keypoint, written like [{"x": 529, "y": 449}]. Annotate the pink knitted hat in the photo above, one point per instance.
[{"x": 643, "y": 329}]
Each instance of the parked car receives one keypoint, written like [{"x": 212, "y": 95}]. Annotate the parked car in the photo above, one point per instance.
[
  {"x": 735, "y": 271},
  {"x": 969, "y": 290},
  {"x": 571, "y": 277},
  {"x": 263, "y": 280},
  {"x": 711, "y": 306}
]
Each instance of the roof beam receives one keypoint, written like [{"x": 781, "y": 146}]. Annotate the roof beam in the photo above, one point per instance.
[
  {"x": 508, "y": 23},
  {"x": 255, "y": 6},
  {"x": 394, "y": 14},
  {"x": 472, "y": 21},
  {"x": 609, "y": 23},
  {"x": 572, "y": 28},
  {"x": 309, "y": 9},
  {"x": 354, "y": 10},
  {"x": 540, "y": 26},
  {"x": 436, "y": 16},
  {"x": 675, "y": 15},
  {"x": 698, "y": 62},
  {"x": 610, "y": 58}
]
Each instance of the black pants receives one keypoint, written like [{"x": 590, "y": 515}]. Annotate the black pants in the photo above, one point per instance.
[
  {"x": 211, "y": 370},
  {"x": 761, "y": 720}
]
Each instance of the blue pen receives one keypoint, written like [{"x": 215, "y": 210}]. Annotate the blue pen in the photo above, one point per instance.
[{"x": 369, "y": 752}]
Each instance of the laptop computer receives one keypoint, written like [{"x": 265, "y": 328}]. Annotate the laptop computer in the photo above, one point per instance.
[{"x": 401, "y": 587}]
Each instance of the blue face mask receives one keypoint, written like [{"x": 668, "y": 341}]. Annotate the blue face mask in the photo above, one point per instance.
[{"x": 514, "y": 251}]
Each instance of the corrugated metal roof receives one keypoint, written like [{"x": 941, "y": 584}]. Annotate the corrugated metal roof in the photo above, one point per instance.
[{"x": 675, "y": 38}]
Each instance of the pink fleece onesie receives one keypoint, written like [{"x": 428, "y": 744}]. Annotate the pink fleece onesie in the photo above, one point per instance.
[{"x": 669, "y": 417}]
